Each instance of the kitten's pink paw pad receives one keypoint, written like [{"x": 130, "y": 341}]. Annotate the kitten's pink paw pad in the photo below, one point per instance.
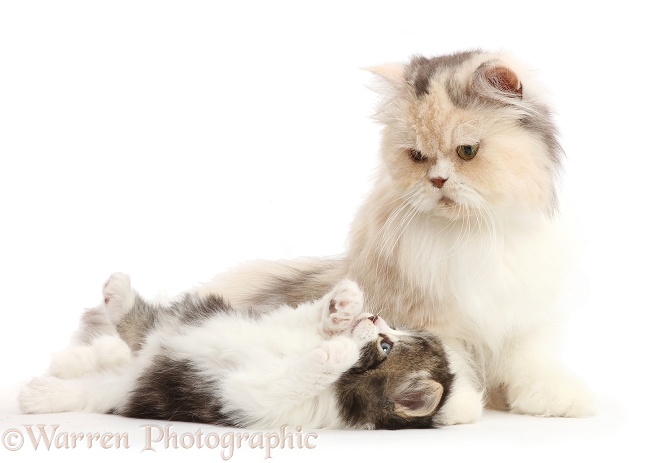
[
  {"x": 346, "y": 302},
  {"x": 118, "y": 296}
]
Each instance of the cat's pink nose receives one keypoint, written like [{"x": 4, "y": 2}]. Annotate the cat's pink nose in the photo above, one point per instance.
[{"x": 438, "y": 181}]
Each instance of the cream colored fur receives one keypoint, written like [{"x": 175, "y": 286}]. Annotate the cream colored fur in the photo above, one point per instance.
[{"x": 479, "y": 261}]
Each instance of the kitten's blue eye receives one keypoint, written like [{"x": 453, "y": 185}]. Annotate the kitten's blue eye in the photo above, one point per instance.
[
  {"x": 467, "y": 152},
  {"x": 386, "y": 346}
]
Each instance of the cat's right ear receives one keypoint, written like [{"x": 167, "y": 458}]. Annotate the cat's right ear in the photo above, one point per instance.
[
  {"x": 491, "y": 77},
  {"x": 417, "y": 398},
  {"x": 392, "y": 73}
]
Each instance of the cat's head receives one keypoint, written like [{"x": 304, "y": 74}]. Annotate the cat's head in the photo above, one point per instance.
[
  {"x": 466, "y": 133},
  {"x": 401, "y": 379}
]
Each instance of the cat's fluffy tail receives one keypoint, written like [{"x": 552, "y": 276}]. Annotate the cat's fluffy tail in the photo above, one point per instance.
[{"x": 269, "y": 284}]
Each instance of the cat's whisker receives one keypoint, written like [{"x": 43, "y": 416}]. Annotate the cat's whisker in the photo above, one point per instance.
[
  {"x": 484, "y": 247},
  {"x": 461, "y": 216},
  {"x": 387, "y": 226},
  {"x": 405, "y": 221},
  {"x": 401, "y": 227}
]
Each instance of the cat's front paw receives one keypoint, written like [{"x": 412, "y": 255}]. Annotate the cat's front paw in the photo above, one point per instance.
[
  {"x": 341, "y": 307},
  {"x": 565, "y": 397},
  {"x": 463, "y": 406},
  {"x": 118, "y": 295},
  {"x": 337, "y": 355}
]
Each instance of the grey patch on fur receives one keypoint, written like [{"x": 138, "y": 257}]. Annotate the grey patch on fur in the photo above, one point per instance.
[
  {"x": 94, "y": 323},
  {"x": 542, "y": 125},
  {"x": 193, "y": 310},
  {"x": 363, "y": 392},
  {"x": 174, "y": 390},
  {"x": 189, "y": 309},
  {"x": 458, "y": 92},
  {"x": 135, "y": 325},
  {"x": 421, "y": 70},
  {"x": 298, "y": 285}
]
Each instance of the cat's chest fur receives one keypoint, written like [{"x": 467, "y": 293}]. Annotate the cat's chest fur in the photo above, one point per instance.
[{"x": 490, "y": 278}]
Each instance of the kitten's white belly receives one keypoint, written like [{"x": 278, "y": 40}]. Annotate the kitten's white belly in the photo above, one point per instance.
[
  {"x": 485, "y": 286},
  {"x": 247, "y": 360}
]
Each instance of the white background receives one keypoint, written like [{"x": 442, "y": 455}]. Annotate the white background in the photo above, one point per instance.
[{"x": 173, "y": 140}]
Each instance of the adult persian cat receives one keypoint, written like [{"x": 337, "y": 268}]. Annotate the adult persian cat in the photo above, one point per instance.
[{"x": 459, "y": 235}]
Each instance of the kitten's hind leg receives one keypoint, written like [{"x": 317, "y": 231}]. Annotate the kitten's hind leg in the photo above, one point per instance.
[
  {"x": 119, "y": 297},
  {"x": 103, "y": 319},
  {"x": 96, "y": 394},
  {"x": 131, "y": 316},
  {"x": 341, "y": 307}
]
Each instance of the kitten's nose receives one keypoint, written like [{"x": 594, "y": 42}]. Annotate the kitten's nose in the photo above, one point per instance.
[
  {"x": 373, "y": 318},
  {"x": 438, "y": 181}
]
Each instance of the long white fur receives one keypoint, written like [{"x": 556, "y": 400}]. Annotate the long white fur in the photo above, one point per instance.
[{"x": 273, "y": 371}]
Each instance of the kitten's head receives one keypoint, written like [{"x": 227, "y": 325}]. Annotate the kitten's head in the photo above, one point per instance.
[
  {"x": 401, "y": 379},
  {"x": 466, "y": 133}
]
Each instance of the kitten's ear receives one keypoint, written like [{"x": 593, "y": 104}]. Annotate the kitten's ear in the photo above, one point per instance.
[
  {"x": 393, "y": 73},
  {"x": 501, "y": 78},
  {"x": 417, "y": 398}
]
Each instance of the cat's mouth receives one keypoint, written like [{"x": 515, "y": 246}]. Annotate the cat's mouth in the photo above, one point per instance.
[
  {"x": 368, "y": 316},
  {"x": 446, "y": 201}
]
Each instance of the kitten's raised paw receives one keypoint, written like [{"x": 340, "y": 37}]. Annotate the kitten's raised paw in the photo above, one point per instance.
[
  {"x": 564, "y": 397},
  {"x": 346, "y": 302},
  {"x": 118, "y": 296},
  {"x": 337, "y": 355}
]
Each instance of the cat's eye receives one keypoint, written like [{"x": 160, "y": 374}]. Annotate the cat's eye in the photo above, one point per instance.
[
  {"x": 386, "y": 345},
  {"x": 467, "y": 152},
  {"x": 416, "y": 156}
]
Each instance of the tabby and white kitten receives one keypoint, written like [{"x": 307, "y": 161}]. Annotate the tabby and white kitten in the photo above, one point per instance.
[
  {"x": 324, "y": 364},
  {"x": 460, "y": 234}
]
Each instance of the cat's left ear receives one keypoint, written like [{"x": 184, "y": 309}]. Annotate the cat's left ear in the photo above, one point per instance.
[
  {"x": 417, "y": 398},
  {"x": 392, "y": 73},
  {"x": 500, "y": 78}
]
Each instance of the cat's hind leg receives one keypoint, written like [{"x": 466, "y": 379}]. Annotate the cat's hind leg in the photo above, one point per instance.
[
  {"x": 119, "y": 297},
  {"x": 132, "y": 317},
  {"x": 103, "y": 319},
  {"x": 100, "y": 393}
]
